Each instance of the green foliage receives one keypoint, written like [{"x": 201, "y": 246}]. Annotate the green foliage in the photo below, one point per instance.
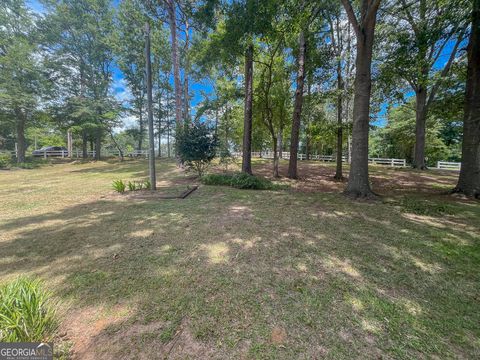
[
  {"x": 217, "y": 179},
  {"x": 240, "y": 181},
  {"x": 397, "y": 138},
  {"x": 119, "y": 186},
  {"x": 132, "y": 186},
  {"x": 147, "y": 184},
  {"x": 5, "y": 160},
  {"x": 26, "y": 312},
  {"x": 196, "y": 147}
]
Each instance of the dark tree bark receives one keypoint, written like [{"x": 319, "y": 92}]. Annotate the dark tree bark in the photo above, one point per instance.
[
  {"x": 98, "y": 143},
  {"x": 84, "y": 144},
  {"x": 339, "y": 173},
  {"x": 141, "y": 130},
  {"x": 280, "y": 142},
  {"x": 358, "y": 181},
  {"x": 159, "y": 137},
  {"x": 186, "y": 99},
  {"x": 297, "y": 110},
  {"x": 469, "y": 180},
  {"x": 248, "y": 112},
  {"x": 21, "y": 146},
  {"x": 175, "y": 61},
  {"x": 307, "y": 127},
  {"x": 151, "y": 138},
  {"x": 420, "y": 125}
]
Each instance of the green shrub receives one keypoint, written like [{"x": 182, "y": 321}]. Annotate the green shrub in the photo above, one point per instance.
[
  {"x": 240, "y": 181},
  {"x": 5, "y": 160},
  {"x": 147, "y": 184},
  {"x": 132, "y": 186},
  {"x": 217, "y": 179},
  {"x": 119, "y": 186},
  {"x": 246, "y": 181},
  {"x": 26, "y": 312},
  {"x": 196, "y": 146}
]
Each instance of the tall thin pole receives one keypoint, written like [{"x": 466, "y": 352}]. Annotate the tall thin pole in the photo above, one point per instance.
[{"x": 151, "y": 140}]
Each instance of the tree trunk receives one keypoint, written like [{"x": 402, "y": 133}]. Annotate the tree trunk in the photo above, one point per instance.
[
  {"x": 297, "y": 110},
  {"x": 21, "y": 146},
  {"x": 275, "y": 157},
  {"x": 358, "y": 181},
  {"x": 140, "y": 134},
  {"x": 248, "y": 112},
  {"x": 168, "y": 140},
  {"x": 280, "y": 143},
  {"x": 420, "y": 125},
  {"x": 159, "y": 137},
  {"x": 151, "y": 138},
  {"x": 338, "y": 173},
  {"x": 469, "y": 180},
  {"x": 176, "y": 62},
  {"x": 84, "y": 144},
  {"x": 120, "y": 152},
  {"x": 186, "y": 71},
  {"x": 98, "y": 143}
]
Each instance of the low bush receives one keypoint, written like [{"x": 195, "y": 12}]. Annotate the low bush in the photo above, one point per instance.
[
  {"x": 246, "y": 181},
  {"x": 196, "y": 146},
  {"x": 26, "y": 312},
  {"x": 119, "y": 186},
  {"x": 132, "y": 186},
  {"x": 5, "y": 160},
  {"x": 147, "y": 184},
  {"x": 217, "y": 179},
  {"x": 240, "y": 181}
]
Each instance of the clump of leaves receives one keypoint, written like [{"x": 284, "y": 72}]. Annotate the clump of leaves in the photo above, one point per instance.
[
  {"x": 196, "y": 145},
  {"x": 217, "y": 179},
  {"x": 147, "y": 184},
  {"x": 132, "y": 186},
  {"x": 5, "y": 160},
  {"x": 27, "y": 312},
  {"x": 424, "y": 207},
  {"x": 119, "y": 186},
  {"x": 240, "y": 181}
]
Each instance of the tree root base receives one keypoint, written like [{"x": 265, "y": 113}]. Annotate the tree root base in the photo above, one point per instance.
[{"x": 367, "y": 195}]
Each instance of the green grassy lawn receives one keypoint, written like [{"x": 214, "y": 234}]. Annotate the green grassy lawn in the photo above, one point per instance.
[{"x": 228, "y": 273}]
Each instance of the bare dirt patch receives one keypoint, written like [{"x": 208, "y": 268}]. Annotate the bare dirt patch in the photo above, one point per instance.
[{"x": 319, "y": 177}]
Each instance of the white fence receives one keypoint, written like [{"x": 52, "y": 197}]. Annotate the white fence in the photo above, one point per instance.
[
  {"x": 445, "y": 165},
  {"x": 329, "y": 158},
  {"x": 77, "y": 153}
]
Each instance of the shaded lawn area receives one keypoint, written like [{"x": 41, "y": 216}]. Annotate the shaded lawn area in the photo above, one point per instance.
[{"x": 230, "y": 273}]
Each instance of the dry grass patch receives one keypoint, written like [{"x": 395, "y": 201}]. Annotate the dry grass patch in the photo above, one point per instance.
[{"x": 229, "y": 273}]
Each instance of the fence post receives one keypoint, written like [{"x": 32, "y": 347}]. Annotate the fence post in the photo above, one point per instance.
[
  {"x": 438, "y": 164},
  {"x": 392, "y": 162},
  {"x": 44, "y": 154}
]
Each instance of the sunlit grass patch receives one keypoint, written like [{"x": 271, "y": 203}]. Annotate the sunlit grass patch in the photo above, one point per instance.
[{"x": 232, "y": 273}]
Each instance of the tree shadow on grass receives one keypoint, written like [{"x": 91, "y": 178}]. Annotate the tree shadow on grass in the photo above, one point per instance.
[{"x": 253, "y": 274}]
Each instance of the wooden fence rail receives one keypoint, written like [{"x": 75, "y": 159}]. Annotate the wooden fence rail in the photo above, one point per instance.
[{"x": 446, "y": 165}]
